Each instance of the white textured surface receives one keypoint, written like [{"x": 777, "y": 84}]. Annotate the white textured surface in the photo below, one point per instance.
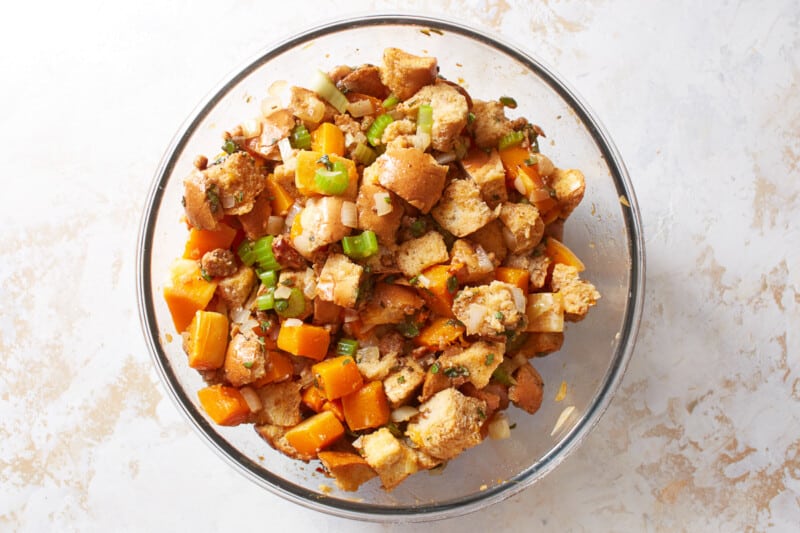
[{"x": 703, "y": 100}]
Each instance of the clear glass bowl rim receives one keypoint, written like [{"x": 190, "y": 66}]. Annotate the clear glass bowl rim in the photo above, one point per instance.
[{"x": 366, "y": 511}]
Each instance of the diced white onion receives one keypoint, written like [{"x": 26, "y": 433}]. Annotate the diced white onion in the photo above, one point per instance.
[
  {"x": 406, "y": 412},
  {"x": 423, "y": 281},
  {"x": 350, "y": 315},
  {"x": 283, "y": 292},
  {"x": 227, "y": 201},
  {"x": 274, "y": 225},
  {"x": 475, "y": 315},
  {"x": 368, "y": 354},
  {"x": 248, "y": 325},
  {"x": 302, "y": 244},
  {"x": 422, "y": 141},
  {"x": 509, "y": 238},
  {"x": 240, "y": 314},
  {"x": 252, "y": 399},
  {"x": 383, "y": 203},
  {"x": 310, "y": 286},
  {"x": 311, "y": 111},
  {"x": 251, "y": 128},
  {"x": 520, "y": 185},
  {"x": 293, "y": 211},
  {"x": 499, "y": 428},
  {"x": 446, "y": 157},
  {"x": 292, "y": 323},
  {"x": 562, "y": 419},
  {"x": 349, "y": 214},
  {"x": 287, "y": 152},
  {"x": 519, "y": 299},
  {"x": 360, "y": 108},
  {"x": 484, "y": 261}
]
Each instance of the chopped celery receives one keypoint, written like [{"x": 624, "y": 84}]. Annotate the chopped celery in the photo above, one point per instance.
[
  {"x": 364, "y": 154},
  {"x": 266, "y": 301},
  {"x": 334, "y": 181},
  {"x": 347, "y": 347},
  {"x": 425, "y": 119},
  {"x": 300, "y": 138},
  {"x": 263, "y": 255},
  {"x": 375, "y": 131},
  {"x": 269, "y": 278},
  {"x": 390, "y": 102},
  {"x": 291, "y": 307},
  {"x": 324, "y": 87},
  {"x": 511, "y": 139},
  {"x": 360, "y": 246}
]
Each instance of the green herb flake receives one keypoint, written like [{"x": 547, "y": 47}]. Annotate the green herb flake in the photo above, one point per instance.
[
  {"x": 481, "y": 414},
  {"x": 434, "y": 368},
  {"x": 325, "y": 160},
  {"x": 489, "y": 359},
  {"x": 346, "y": 361},
  {"x": 513, "y": 426},
  {"x": 418, "y": 227},
  {"x": 205, "y": 275},
  {"x": 288, "y": 282},
  {"x": 401, "y": 379},
  {"x": 265, "y": 325},
  {"x": 414, "y": 280},
  {"x": 230, "y": 147},
  {"x": 248, "y": 364},
  {"x": 240, "y": 197},
  {"x": 213, "y": 198},
  {"x": 281, "y": 304},
  {"x": 499, "y": 315},
  {"x": 452, "y": 284},
  {"x": 508, "y": 102},
  {"x": 470, "y": 117}
]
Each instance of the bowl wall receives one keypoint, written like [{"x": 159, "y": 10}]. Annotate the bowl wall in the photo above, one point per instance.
[{"x": 602, "y": 231}]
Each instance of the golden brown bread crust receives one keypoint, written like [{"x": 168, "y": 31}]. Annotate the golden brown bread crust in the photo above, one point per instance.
[{"x": 413, "y": 175}]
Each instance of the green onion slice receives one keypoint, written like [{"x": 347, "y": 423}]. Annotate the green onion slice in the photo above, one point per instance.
[
  {"x": 375, "y": 131},
  {"x": 323, "y": 86},
  {"x": 360, "y": 246},
  {"x": 335, "y": 181}
]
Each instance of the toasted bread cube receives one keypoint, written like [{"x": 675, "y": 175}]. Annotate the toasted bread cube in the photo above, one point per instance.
[
  {"x": 338, "y": 281},
  {"x": 349, "y": 470},
  {"x": 416, "y": 255},
  {"x": 391, "y": 459},
  {"x": 488, "y": 172},
  {"x": 578, "y": 295},
  {"x": 461, "y": 210},
  {"x": 477, "y": 361},
  {"x": 523, "y": 227},
  {"x": 448, "y": 423},
  {"x": 401, "y": 384}
]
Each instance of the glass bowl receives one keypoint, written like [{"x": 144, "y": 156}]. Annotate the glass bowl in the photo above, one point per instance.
[{"x": 605, "y": 231}]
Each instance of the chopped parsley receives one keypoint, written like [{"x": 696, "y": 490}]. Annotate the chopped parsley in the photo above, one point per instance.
[
  {"x": 489, "y": 359},
  {"x": 248, "y": 364},
  {"x": 452, "y": 284},
  {"x": 230, "y": 147},
  {"x": 205, "y": 275},
  {"x": 418, "y": 227},
  {"x": 499, "y": 315},
  {"x": 456, "y": 371},
  {"x": 401, "y": 379},
  {"x": 470, "y": 117},
  {"x": 212, "y": 195},
  {"x": 434, "y": 368},
  {"x": 325, "y": 160}
]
